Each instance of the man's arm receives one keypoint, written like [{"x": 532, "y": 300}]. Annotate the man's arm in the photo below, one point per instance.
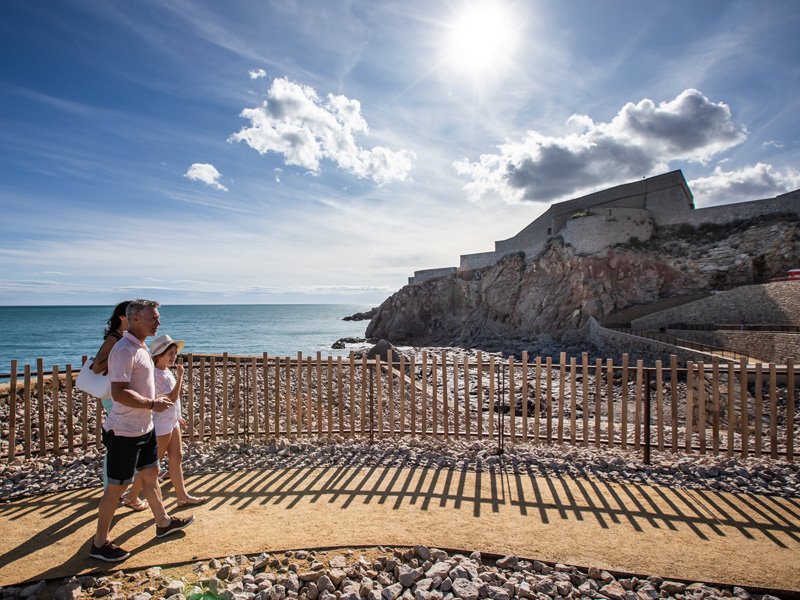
[{"x": 122, "y": 392}]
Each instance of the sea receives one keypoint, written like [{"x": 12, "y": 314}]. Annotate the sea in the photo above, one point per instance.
[{"x": 62, "y": 335}]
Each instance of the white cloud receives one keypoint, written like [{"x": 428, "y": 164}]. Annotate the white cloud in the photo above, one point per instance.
[
  {"x": 206, "y": 173},
  {"x": 295, "y": 122},
  {"x": 640, "y": 140},
  {"x": 258, "y": 74},
  {"x": 772, "y": 143},
  {"x": 748, "y": 183}
]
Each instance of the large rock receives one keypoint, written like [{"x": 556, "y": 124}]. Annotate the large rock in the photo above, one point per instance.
[{"x": 560, "y": 290}]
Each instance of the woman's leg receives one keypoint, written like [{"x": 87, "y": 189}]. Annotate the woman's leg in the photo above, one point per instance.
[{"x": 175, "y": 452}]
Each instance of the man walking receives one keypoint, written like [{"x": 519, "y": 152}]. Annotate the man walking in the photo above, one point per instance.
[{"x": 128, "y": 430}]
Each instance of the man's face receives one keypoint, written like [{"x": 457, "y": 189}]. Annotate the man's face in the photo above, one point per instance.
[{"x": 149, "y": 320}]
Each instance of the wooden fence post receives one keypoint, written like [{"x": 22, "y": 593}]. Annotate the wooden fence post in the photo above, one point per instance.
[
  {"x": 585, "y": 394},
  {"x": 225, "y": 397},
  {"x": 265, "y": 377},
  {"x": 12, "y": 412},
  {"x": 42, "y": 414},
  {"x": 512, "y": 401},
  {"x": 412, "y": 388},
  {"x": 623, "y": 405},
  {"x": 424, "y": 393},
  {"x": 790, "y": 377},
  {"x": 212, "y": 396},
  {"x": 190, "y": 396},
  {"x": 390, "y": 390},
  {"x": 445, "y": 400},
  {"x": 352, "y": 360},
  {"x": 744, "y": 403},
  {"x": 610, "y": 401},
  {"x": 673, "y": 399},
  {"x": 660, "y": 405},
  {"x": 598, "y": 399},
  {"x": 70, "y": 410},
  {"x": 715, "y": 425},
  {"x": 689, "y": 404},
  {"x": 773, "y": 411},
  {"x": 573, "y": 400},
  {"x": 363, "y": 414},
  {"x": 524, "y": 366},
  {"x": 201, "y": 397},
  {"x": 759, "y": 398},
  {"x": 562, "y": 393},
  {"x": 491, "y": 397},
  {"x": 27, "y": 411},
  {"x": 701, "y": 405},
  {"x": 54, "y": 405}
]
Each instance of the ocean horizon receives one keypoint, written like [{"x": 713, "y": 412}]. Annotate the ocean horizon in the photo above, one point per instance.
[{"x": 62, "y": 335}]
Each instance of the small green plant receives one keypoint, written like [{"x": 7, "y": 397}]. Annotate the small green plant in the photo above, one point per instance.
[{"x": 580, "y": 214}]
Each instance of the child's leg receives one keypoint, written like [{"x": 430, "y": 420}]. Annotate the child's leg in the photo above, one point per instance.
[{"x": 175, "y": 453}]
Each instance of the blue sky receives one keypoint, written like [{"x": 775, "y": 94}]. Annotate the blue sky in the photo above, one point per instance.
[{"x": 321, "y": 151}]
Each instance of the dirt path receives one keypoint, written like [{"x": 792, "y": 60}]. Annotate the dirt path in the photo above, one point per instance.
[{"x": 702, "y": 536}]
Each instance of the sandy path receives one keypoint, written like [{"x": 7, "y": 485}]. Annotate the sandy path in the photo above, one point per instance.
[{"x": 701, "y": 536}]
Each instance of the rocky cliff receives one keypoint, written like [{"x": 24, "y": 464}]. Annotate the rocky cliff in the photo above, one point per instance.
[{"x": 559, "y": 290}]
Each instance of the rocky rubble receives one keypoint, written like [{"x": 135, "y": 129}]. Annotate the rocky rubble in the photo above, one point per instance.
[{"x": 418, "y": 573}]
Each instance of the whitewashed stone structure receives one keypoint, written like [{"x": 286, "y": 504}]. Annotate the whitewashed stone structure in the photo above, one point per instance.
[{"x": 620, "y": 214}]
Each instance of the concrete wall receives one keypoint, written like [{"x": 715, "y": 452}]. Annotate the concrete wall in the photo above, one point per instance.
[
  {"x": 767, "y": 346},
  {"x": 608, "y": 227},
  {"x": 426, "y": 274},
  {"x": 777, "y": 303}
]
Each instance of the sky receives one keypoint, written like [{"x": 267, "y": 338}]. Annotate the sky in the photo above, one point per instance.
[{"x": 256, "y": 151}]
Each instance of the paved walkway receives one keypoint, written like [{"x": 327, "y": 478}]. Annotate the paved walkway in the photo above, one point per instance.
[{"x": 717, "y": 537}]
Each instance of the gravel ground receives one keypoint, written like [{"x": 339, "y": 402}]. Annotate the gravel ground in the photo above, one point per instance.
[{"x": 418, "y": 573}]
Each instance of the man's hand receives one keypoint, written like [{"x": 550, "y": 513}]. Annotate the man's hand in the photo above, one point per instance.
[{"x": 161, "y": 403}]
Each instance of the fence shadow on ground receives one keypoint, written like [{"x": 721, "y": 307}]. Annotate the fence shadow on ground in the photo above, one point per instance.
[{"x": 637, "y": 508}]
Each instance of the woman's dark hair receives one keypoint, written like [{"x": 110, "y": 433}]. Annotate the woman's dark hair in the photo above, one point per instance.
[{"x": 116, "y": 318}]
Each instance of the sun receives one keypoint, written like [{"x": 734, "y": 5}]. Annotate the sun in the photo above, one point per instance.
[{"x": 481, "y": 38}]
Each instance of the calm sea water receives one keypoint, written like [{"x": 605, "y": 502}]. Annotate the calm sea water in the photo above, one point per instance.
[{"x": 63, "y": 334}]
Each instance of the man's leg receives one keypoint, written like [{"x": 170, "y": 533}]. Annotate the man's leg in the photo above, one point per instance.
[
  {"x": 152, "y": 492},
  {"x": 108, "y": 506}
]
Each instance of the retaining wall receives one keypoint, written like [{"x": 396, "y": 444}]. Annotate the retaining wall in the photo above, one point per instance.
[
  {"x": 777, "y": 302},
  {"x": 764, "y": 345},
  {"x": 608, "y": 339}
]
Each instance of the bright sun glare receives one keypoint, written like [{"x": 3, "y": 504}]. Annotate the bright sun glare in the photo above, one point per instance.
[{"x": 481, "y": 38}]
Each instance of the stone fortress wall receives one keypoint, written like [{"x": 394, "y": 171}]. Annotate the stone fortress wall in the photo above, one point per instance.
[{"x": 613, "y": 216}]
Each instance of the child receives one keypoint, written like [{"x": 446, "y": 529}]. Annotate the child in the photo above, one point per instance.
[{"x": 164, "y": 351}]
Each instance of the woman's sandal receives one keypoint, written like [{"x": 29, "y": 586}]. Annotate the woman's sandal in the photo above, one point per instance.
[
  {"x": 138, "y": 505},
  {"x": 191, "y": 501}
]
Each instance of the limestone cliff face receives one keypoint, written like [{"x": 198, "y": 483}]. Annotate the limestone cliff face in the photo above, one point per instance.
[{"x": 560, "y": 290}]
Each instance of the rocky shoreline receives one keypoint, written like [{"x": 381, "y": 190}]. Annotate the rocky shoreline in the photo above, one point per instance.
[{"x": 418, "y": 573}]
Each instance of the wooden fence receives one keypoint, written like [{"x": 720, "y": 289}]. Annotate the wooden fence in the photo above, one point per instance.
[{"x": 720, "y": 408}]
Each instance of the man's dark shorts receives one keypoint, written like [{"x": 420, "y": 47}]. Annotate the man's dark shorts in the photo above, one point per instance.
[{"x": 126, "y": 455}]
